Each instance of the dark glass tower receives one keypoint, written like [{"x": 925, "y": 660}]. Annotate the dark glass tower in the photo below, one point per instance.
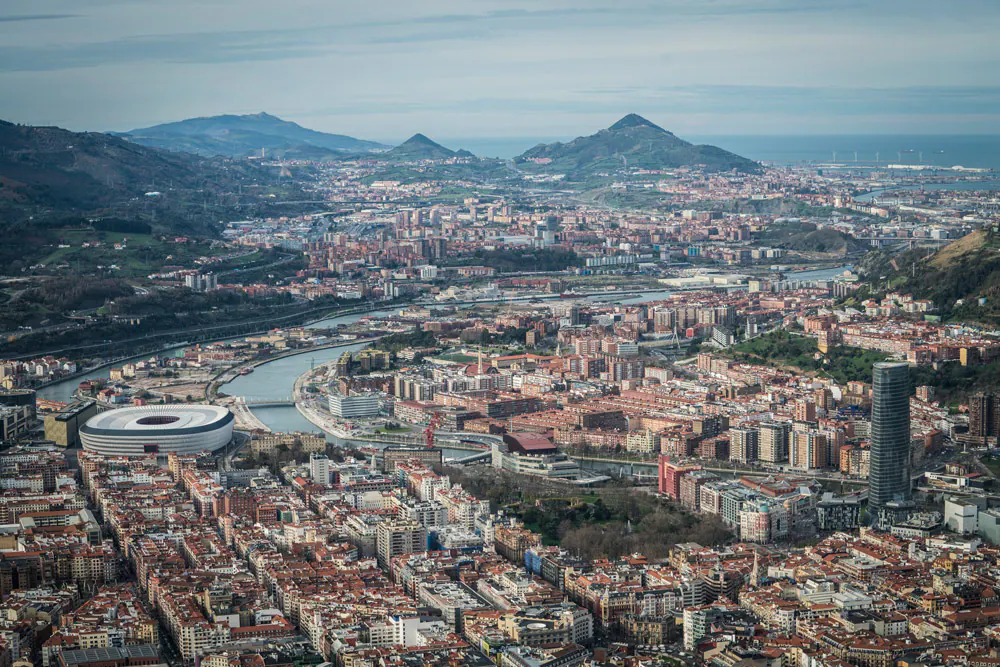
[{"x": 889, "y": 475}]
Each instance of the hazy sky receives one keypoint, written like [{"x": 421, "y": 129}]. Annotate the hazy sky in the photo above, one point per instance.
[{"x": 384, "y": 69}]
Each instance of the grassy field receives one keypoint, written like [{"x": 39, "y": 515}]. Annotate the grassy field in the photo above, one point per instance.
[{"x": 459, "y": 358}]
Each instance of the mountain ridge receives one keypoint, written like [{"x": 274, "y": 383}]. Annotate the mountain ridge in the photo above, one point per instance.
[
  {"x": 235, "y": 136},
  {"x": 49, "y": 174}
]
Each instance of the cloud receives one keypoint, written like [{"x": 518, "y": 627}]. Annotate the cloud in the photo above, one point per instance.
[
  {"x": 36, "y": 17},
  {"x": 330, "y": 34},
  {"x": 503, "y": 67}
]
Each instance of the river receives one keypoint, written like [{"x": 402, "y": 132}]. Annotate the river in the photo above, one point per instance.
[{"x": 274, "y": 380}]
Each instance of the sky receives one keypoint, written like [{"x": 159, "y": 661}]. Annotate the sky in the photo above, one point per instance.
[{"x": 384, "y": 69}]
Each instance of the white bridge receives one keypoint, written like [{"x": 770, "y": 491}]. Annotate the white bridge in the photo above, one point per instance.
[{"x": 265, "y": 402}]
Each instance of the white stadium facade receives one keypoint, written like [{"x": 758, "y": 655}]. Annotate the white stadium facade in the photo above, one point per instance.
[{"x": 158, "y": 429}]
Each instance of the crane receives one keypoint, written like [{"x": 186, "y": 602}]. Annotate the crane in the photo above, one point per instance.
[{"x": 429, "y": 431}]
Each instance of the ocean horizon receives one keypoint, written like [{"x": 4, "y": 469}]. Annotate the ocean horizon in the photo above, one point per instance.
[{"x": 944, "y": 150}]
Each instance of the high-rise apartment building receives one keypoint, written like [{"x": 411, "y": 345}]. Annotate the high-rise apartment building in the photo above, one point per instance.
[
  {"x": 805, "y": 411},
  {"x": 984, "y": 416},
  {"x": 773, "y": 442},
  {"x": 808, "y": 450},
  {"x": 319, "y": 469},
  {"x": 395, "y": 538},
  {"x": 889, "y": 476},
  {"x": 669, "y": 476},
  {"x": 744, "y": 444}
]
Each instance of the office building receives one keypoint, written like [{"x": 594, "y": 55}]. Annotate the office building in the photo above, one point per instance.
[
  {"x": 889, "y": 476},
  {"x": 63, "y": 428},
  {"x": 354, "y": 406},
  {"x": 16, "y": 422}
]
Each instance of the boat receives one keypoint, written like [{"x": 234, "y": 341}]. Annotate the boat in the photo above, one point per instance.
[
  {"x": 246, "y": 371},
  {"x": 568, "y": 295}
]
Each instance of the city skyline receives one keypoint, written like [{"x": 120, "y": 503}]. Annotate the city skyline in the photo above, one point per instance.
[{"x": 492, "y": 70}]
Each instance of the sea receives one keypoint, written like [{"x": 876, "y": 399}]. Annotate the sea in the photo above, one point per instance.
[{"x": 976, "y": 151}]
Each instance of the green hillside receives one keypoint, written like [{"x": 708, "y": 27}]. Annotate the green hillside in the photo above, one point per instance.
[
  {"x": 51, "y": 178},
  {"x": 955, "y": 277}
]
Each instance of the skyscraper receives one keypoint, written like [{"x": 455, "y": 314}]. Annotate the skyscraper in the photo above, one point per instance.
[{"x": 889, "y": 476}]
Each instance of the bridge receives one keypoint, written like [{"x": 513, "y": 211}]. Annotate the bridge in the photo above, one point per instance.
[
  {"x": 881, "y": 241},
  {"x": 263, "y": 402},
  {"x": 481, "y": 457},
  {"x": 461, "y": 437},
  {"x": 245, "y": 419}
]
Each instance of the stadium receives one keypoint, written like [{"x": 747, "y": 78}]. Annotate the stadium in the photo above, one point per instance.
[{"x": 158, "y": 429}]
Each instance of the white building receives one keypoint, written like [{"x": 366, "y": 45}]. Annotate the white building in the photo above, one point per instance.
[
  {"x": 354, "y": 406},
  {"x": 319, "y": 468},
  {"x": 961, "y": 516}
]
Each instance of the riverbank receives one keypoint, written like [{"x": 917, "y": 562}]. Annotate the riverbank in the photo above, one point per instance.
[{"x": 212, "y": 386}]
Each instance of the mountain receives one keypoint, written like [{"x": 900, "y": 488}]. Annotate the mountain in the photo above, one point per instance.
[
  {"x": 633, "y": 142},
  {"x": 419, "y": 147},
  {"x": 241, "y": 136},
  {"x": 48, "y": 174}
]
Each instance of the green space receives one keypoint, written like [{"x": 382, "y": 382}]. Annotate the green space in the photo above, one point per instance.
[
  {"x": 138, "y": 256},
  {"x": 156, "y": 315},
  {"x": 962, "y": 279},
  {"x": 512, "y": 261},
  {"x": 781, "y": 348},
  {"x": 606, "y": 522},
  {"x": 459, "y": 358},
  {"x": 806, "y": 237},
  {"x": 396, "y": 343}
]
